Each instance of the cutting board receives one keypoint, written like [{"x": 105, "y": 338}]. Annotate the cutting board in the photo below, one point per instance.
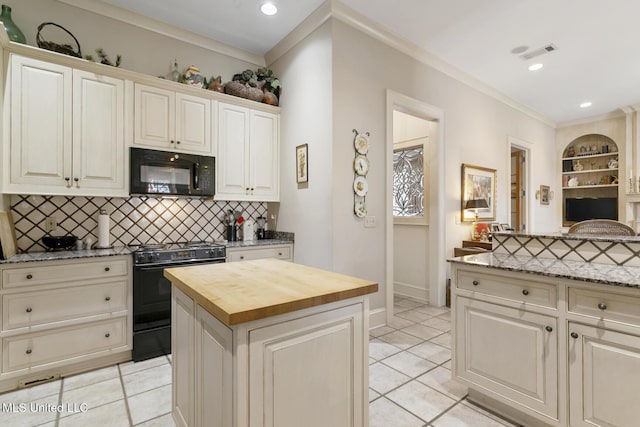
[{"x": 7, "y": 235}]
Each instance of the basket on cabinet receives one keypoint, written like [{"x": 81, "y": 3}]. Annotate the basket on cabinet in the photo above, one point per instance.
[{"x": 60, "y": 48}]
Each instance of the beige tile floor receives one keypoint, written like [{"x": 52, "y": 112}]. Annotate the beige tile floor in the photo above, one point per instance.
[{"x": 409, "y": 379}]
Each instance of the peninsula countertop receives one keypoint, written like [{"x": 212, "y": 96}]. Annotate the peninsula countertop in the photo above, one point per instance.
[
  {"x": 239, "y": 292},
  {"x": 606, "y": 274}
]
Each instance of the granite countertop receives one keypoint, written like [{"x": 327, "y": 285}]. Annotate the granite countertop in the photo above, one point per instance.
[
  {"x": 119, "y": 250},
  {"x": 238, "y": 292},
  {"x": 585, "y": 271}
]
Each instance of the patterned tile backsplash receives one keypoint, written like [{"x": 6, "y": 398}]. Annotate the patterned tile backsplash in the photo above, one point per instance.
[{"x": 134, "y": 220}]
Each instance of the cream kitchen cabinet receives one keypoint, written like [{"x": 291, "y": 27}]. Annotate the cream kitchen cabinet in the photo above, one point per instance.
[
  {"x": 246, "y": 253},
  {"x": 547, "y": 351},
  {"x": 168, "y": 120},
  {"x": 62, "y": 317},
  {"x": 248, "y": 154},
  {"x": 67, "y": 133}
]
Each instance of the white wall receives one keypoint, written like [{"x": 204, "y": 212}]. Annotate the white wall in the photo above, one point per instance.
[
  {"x": 142, "y": 50},
  {"x": 305, "y": 209},
  {"x": 476, "y": 132}
]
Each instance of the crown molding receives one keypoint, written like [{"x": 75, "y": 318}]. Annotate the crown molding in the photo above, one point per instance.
[
  {"x": 168, "y": 30},
  {"x": 607, "y": 116},
  {"x": 334, "y": 9}
]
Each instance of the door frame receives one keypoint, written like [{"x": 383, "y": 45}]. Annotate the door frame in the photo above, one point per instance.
[
  {"x": 437, "y": 176},
  {"x": 527, "y": 147}
]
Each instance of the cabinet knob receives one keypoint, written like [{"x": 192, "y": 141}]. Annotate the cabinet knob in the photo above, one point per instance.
[
  {"x": 279, "y": 253},
  {"x": 172, "y": 142},
  {"x": 241, "y": 256},
  {"x": 602, "y": 306},
  {"x": 77, "y": 181},
  {"x": 475, "y": 283},
  {"x": 549, "y": 329},
  {"x": 29, "y": 310},
  {"x": 107, "y": 298},
  {"x": 28, "y": 351},
  {"x": 66, "y": 178},
  {"x": 29, "y": 276},
  {"x": 107, "y": 269},
  {"x": 574, "y": 335},
  {"x": 107, "y": 335},
  {"x": 177, "y": 142},
  {"x": 525, "y": 292}
]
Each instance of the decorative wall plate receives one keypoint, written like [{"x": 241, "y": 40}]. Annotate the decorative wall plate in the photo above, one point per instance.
[
  {"x": 360, "y": 186},
  {"x": 361, "y": 143},
  {"x": 359, "y": 207},
  {"x": 361, "y": 165}
]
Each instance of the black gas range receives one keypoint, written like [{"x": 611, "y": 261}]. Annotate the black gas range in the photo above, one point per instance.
[{"x": 152, "y": 292}]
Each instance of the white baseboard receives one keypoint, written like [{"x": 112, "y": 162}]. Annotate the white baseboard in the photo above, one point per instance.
[
  {"x": 412, "y": 291},
  {"x": 377, "y": 317}
]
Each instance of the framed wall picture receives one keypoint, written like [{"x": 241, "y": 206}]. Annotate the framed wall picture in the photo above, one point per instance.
[
  {"x": 302, "y": 163},
  {"x": 544, "y": 194},
  {"x": 478, "y": 183}
]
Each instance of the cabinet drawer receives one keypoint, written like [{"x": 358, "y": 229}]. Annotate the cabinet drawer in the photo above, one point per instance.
[
  {"x": 36, "y": 274},
  {"x": 522, "y": 291},
  {"x": 278, "y": 252},
  {"x": 34, "y": 308},
  {"x": 31, "y": 350},
  {"x": 611, "y": 306}
]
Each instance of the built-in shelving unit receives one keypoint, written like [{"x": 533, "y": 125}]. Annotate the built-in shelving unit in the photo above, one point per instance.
[{"x": 590, "y": 169}]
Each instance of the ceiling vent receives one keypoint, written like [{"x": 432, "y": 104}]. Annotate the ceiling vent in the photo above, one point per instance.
[{"x": 538, "y": 52}]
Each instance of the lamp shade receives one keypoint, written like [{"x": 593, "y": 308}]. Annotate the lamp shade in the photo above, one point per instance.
[{"x": 476, "y": 204}]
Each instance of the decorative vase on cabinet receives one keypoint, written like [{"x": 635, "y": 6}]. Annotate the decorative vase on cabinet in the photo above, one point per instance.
[{"x": 14, "y": 33}]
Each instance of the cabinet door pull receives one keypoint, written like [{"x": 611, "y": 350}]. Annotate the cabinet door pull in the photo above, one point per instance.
[
  {"x": 107, "y": 269},
  {"x": 107, "y": 335},
  {"x": 574, "y": 335},
  {"x": 525, "y": 292},
  {"x": 29, "y": 276},
  {"x": 77, "y": 181},
  {"x": 475, "y": 283},
  {"x": 107, "y": 298},
  {"x": 28, "y": 351},
  {"x": 549, "y": 329},
  {"x": 29, "y": 309},
  {"x": 66, "y": 178},
  {"x": 602, "y": 306}
]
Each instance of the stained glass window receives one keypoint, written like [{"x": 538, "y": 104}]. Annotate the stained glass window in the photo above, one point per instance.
[{"x": 408, "y": 182}]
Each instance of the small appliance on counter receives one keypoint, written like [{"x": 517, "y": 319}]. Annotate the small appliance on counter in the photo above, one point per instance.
[{"x": 260, "y": 231}]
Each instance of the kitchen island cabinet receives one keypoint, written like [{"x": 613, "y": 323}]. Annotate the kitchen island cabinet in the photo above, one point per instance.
[
  {"x": 548, "y": 342},
  {"x": 269, "y": 343}
]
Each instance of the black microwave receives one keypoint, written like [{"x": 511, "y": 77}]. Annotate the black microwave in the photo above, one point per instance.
[{"x": 159, "y": 173}]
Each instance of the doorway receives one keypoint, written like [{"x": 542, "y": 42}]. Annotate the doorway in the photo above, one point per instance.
[
  {"x": 434, "y": 257},
  {"x": 519, "y": 179}
]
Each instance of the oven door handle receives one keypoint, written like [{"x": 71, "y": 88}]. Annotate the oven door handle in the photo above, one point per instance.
[{"x": 149, "y": 267}]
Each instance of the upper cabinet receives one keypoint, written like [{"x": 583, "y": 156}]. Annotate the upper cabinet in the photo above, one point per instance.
[
  {"x": 248, "y": 154},
  {"x": 168, "y": 120},
  {"x": 67, "y": 133}
]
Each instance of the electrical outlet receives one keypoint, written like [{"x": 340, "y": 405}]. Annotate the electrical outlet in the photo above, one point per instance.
[
  {"x": 369, "y": 221},
  {"x": 50, "y": 224}
]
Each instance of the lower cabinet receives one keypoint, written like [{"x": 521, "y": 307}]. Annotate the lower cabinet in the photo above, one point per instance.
[
  {"x": 304, "y": 368},
  {"x": 570, "y": 357},
  {"x": 509, "y": 351},
  {"x": 604, "y": 377},
  {"x": 245, "y": 253},
  {"x": 63, "y": 317}
]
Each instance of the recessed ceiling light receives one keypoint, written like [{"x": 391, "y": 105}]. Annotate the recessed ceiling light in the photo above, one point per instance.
[
  {"x": 586, "y": 104},
  {"x": 535, "y": 67},
  {"x": 269, "y": 9}
]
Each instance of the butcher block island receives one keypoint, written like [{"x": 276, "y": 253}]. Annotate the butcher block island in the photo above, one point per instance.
[{"x": 269, "y": 343}]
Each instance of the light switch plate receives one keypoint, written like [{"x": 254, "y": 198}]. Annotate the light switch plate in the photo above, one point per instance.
[{"x": 369, "y": 221}]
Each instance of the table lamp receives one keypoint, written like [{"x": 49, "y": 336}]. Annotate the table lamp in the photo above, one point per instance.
[{"x": 475, "y": 204}]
